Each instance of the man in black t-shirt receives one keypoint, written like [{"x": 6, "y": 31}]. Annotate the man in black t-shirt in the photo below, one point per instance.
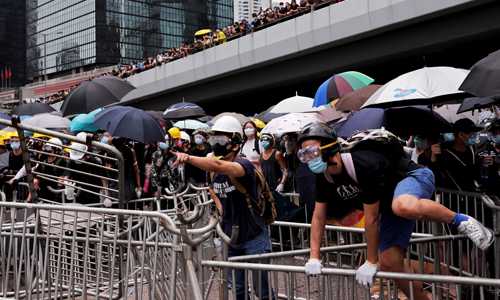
[
  {"x": 222, "y": 170},
  {"x": 201, "y": 150},
  {"x": 394, "y": 192}
]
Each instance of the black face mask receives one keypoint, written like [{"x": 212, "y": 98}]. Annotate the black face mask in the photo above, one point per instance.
[{"x": 221, "y": 151}]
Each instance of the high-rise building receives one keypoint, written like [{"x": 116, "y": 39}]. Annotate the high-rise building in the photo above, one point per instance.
[
  {"x": 83, "y": 34},
  {"x": 13, "y": 42},
  {"x": 243, "y": 9}
]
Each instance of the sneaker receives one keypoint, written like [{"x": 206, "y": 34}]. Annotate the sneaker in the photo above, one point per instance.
[{"x": 481, "y": 236}]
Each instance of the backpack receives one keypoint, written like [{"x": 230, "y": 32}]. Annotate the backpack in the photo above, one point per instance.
[
  {"x": 265, "y": 201},
  {"x": 377, "y": 140}
]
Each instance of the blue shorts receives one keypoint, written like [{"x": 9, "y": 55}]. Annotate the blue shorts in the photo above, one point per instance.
[{"x": 395, "y": 230}]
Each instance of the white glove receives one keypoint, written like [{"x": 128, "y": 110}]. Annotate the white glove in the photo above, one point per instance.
[
  {"x": 108, "y": 202},
  {"x": 313, "y": 267},
  {"x": 280, "y": 188},
  {"x": 138, "y": 192},
  {"x": 365, "y": 274}
]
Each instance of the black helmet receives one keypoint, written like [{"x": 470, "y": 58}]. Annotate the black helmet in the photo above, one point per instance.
[{"x": 325, "y": 134}]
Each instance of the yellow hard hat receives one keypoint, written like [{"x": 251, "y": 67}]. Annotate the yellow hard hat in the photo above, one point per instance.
[
  {"x": 175, "y": 132},
  {"x": 40, "y": 135}
]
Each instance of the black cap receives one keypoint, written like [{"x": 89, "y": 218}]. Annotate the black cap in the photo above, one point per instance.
[
  {"x": 466, "y": 125},
  {"x": 495, "y": 124}
]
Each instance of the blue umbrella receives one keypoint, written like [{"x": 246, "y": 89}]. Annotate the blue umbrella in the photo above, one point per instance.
[
  {"x": 22, "y": 118},
  {"x": 83, "y": 122},
  {"x": 401, "y": 121},
  {"x": 5, "y": 117},
  {"x": 183, "y": 110},
  {"x": 129, "y": 122}
]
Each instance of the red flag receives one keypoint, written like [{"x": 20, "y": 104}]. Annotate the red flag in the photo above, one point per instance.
[
  {"x": 2, "y": 75},
  {"x": 6, "y": 74},
  {"x": 10, "y": 73}
]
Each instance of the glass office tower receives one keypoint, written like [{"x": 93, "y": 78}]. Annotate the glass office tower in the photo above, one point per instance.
[
  {"x": 86, "y": 33},
  {"x": 13, "y": 41}
]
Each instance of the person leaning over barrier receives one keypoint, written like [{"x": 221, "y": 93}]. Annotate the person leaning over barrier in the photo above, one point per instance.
[
  {"x": 391, "y": 202},
  {"x": 253, "y": 237}
]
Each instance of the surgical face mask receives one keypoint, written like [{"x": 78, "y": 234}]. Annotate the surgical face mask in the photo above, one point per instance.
[
  {"x": 448, "y": 137},
  {"x": 104, "y": 140},
  {"x": 317, "y": 165},
  {"x": 249, "y": 131},
  {"x": 470, "y": 141},
  {"x": 15, "y": 145},
  {"x": 163, "y": 146},
  {"x": 422, "y": 144},
  {"x": 255, "y": 18},
  {"x": 495, "y": 139},
  {"x": 265, "y": 144},
  {"x": 198, "y": 141}
]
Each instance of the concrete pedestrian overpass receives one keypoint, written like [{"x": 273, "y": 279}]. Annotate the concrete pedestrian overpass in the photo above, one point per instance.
[{"x": 306, "y": 50}]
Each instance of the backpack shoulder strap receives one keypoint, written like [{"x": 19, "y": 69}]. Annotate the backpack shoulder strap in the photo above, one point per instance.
[
  {"x": 256, "y": 144},
  {"x": 238, "y": 185},
  {"x": 349, "y": 166}
]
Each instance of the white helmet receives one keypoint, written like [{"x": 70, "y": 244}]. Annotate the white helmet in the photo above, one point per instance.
[
  {"x": 185, "y": 136},
  {"x": 77, "y": 148},
  {"x": 228, "y": 124},
  {"x": 53, "y": 142}
]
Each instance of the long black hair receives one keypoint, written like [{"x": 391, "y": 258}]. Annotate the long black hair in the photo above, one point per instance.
[{"x": 254, "y": 126}]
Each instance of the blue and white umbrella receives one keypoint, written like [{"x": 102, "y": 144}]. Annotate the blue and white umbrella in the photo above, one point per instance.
[{"x": 183, "y": 110}]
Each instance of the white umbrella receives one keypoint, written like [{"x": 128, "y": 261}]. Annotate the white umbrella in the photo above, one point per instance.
[
  {"x": 420, "y": 87},
  {"x": 296, "y": 104},
  {"x": 449, "y": 113},
  {"x": 293, "y": 122},
  {"x": 48, "y": 121}
]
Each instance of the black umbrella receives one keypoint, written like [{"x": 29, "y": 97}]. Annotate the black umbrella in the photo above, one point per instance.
[
  {"x": 470, "y": 104},
  {"x": 157, "y": 114},
  {"x": 267, "y": 116},
  {"x": 129, "y": 122},
  {"x": 95, "y": 93},
  {"x": 484, "y": 76},
  {"x": 31, "y": 109},
  {"x": 206, "y": 118},
  {"x": 183, "y": 113}
]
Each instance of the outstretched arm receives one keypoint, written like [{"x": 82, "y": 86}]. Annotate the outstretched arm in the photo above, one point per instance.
[{"x": 211, "y": 164}]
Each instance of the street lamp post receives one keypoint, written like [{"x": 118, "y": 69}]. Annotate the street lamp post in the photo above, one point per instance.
[{"x": 45, "y": 56}]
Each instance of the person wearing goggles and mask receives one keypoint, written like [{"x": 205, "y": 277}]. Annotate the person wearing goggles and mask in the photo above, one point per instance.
[
  {"x": 51, "y": 165},
  {"x": 273, "y": 164},
  {"x": 391, "y": 203},
  {"x": 222, "y": 170}
]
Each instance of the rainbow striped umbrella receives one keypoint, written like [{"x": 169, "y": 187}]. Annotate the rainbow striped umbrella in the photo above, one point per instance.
[{"x": 338, "y": 85}]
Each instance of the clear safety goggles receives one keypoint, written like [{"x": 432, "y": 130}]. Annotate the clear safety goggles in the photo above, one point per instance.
[
  {"x": 199, "y": 136},
  {"x": 218, "y": 139},
  {"x": 311, "y": 152},
  {"x": 266, "y": 138}
]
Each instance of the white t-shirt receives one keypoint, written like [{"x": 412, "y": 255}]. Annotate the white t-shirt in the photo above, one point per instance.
[{"x": 250, "y": 152}]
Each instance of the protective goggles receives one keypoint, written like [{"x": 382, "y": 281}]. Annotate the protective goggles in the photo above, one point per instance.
[
  {"x": 266, "y": 138},
  {"x": 311, "y": 152},
  {"x": 47, "y": 148},
  {"x": 219, "y": 139},
  {"x": 199, "y": 136}
]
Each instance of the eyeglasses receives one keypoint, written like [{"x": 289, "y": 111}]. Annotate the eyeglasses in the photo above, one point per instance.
[
  {"x": 311, "y": 152},
  {"x": 218, "y": 139}
]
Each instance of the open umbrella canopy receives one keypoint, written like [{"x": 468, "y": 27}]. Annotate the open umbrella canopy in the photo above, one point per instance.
[
  {"x": 183, "y": 110},
  {"x": 83, "y": 122},
  {"x": 484, "y": 76},
  {"x": 355, "y": 99},
  {"x": 190, "y": 124},
  {"x": 155, "y": 113},
  {"x": 241, "y": 118},
  {"x": 295, "y": 104},
  {"x": 330, "y": 113},
  {"x": 129, "y": 122},
  {"x": 48, "y": 121},
  {"x": 338, "y": 85},
  {"x": 94, "y": 94},
  {"x": 31, "y": 109},
  {"x": 267, "y": 116},
  {"x": 449, "y": 113},
  {"x": 293, "y": 122},
  {"x": 424, "y": 86},
  {"x": 395, "y": 120},
  {"x": 202, "y": 32},
  {"x": 470, "y": 104}
]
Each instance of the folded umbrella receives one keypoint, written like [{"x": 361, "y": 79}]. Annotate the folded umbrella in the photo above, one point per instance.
[
  {"x": 470, "y": 104},
  {"x": 293, "y": 122},
  {"x": 129, "y": 122},
  {"x": 94, "y": 94},
  {"x": 31, "y": 109},
  {"x": 424, "y": 86},
  {"x": 484, "y": 76},
  {"x": 338, "y": 85}
]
